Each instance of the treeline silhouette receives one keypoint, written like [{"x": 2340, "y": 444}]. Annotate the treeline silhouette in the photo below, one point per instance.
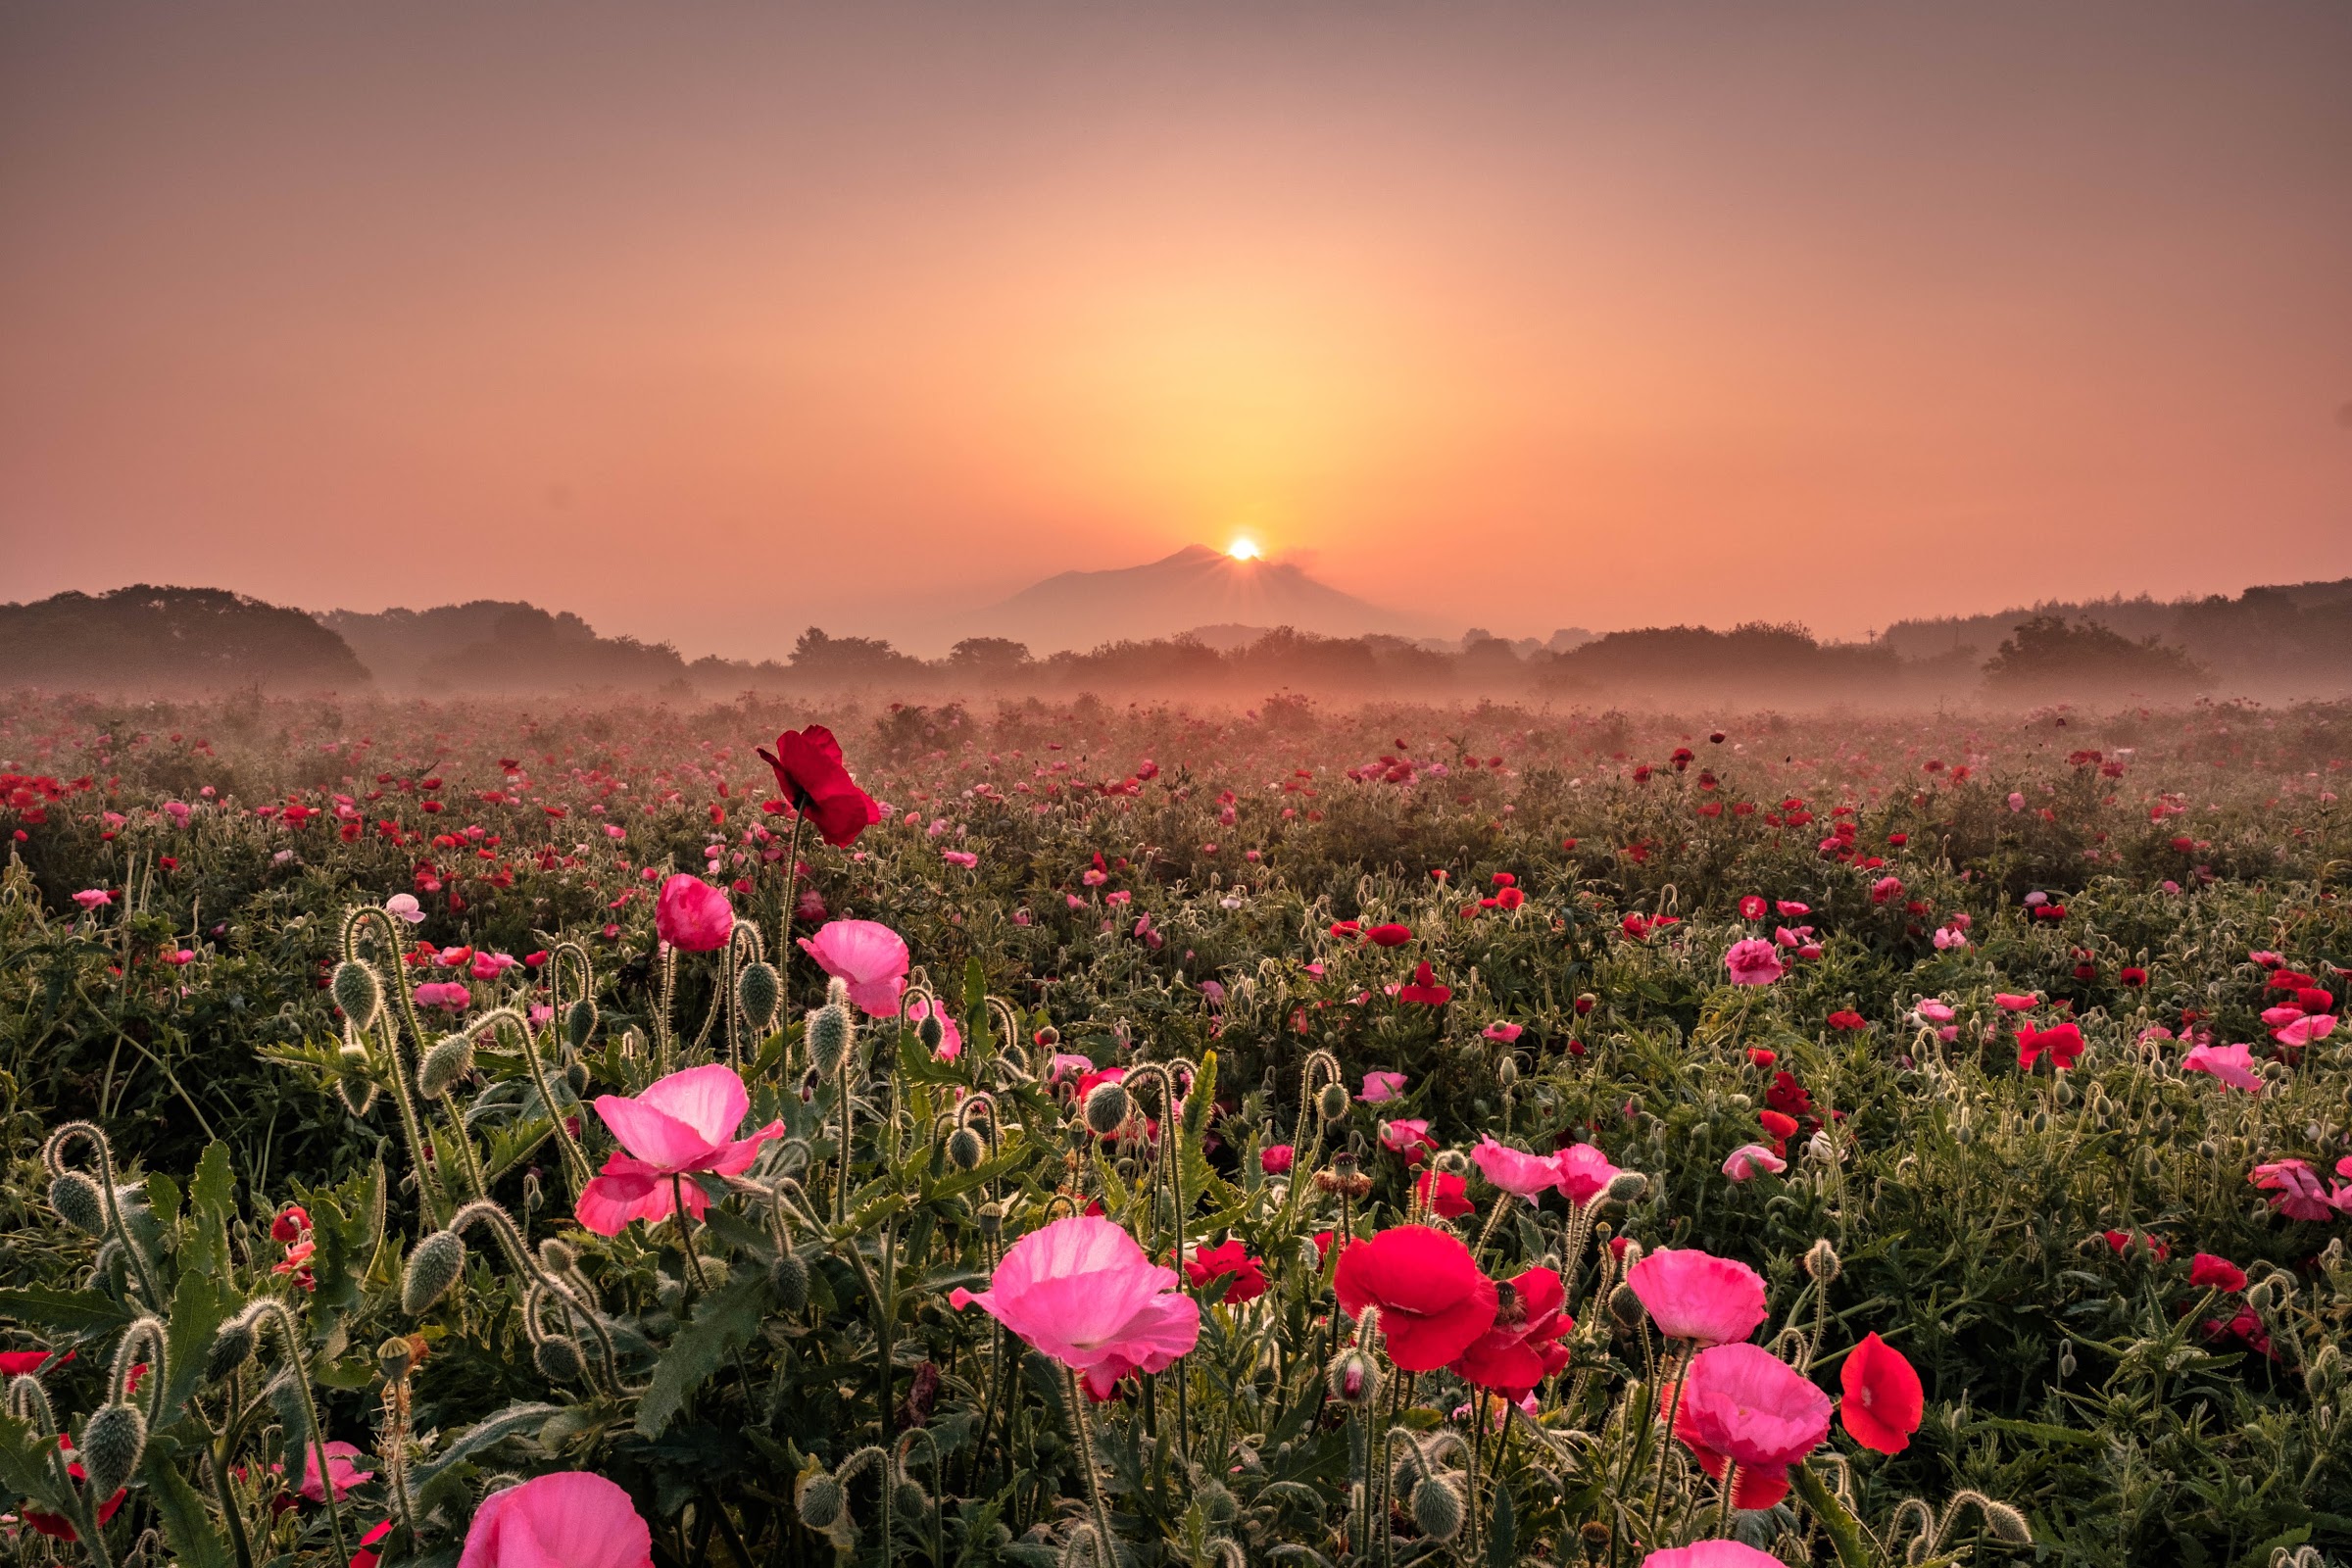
[{"x": 180, "y": 638}]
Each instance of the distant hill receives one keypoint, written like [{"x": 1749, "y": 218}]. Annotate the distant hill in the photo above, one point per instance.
[
  {"x": 182, "y": 638},
  {"x": 1197, "y": 586},
  {"x": 490, "y": 644}
]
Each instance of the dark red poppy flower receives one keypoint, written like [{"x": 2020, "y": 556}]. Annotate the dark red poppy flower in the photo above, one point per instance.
[
  {"x": 810, "y": 776},
  {"x": 1433, "y": 1300},
  {"x": 1523, "y": 1346},
  {"x": 1449, "y": 1199},
  {"x": 1884, "y": 1401},
  {"x": 1391, "y": 934},
  {"x": 1210, "y": 1263},
  {"x": 1425, "y": 989},
  {"x": 2208, "y": 1273},
  {"x": 2062, "y": 1043}
]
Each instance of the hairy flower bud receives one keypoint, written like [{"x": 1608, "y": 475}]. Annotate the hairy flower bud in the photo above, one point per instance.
[
  {"x": 358, "y": 992},
  {"x": 965, "y": 1151},
  {"x": 910, "y": 1498},
  {"x": 557, "y": 1257},
  {"x": 931, "y": 1032},
  {"x": 1506, "y": 1071},
  {"x": 78, "y": 1202},
  {"x": 819, "y": 1499},
  {"x": 444, "y": 1064},
  {"x": 1332, "y": 1104},
  {"x": 557, "y": 1359},
  {"x": 1353, "y": 1377},
  {"x": 576, "y": 1078},
  {"x": 232, "y": 1347},
  {"x": 433, "y": 1268},
  {"x": 829, "y": 1031},
  {"x": 758, "y": 993},
  {"x": 1820, "y": 1261},
  {"x": 1627, "y": 1185},
  {"x": 788, "y": 1281},
  {"x": 1436, "y": 1508},
  {"x": 1106, "y": 1110},
  {"x": 579, "y": 1023},
  {"x": 2065, "y": 1360},
  {"x": 352, "y": 1079},
  {"x": 111, "y": 1442}
]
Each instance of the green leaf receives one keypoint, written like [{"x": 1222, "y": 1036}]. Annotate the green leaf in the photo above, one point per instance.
[
  {"x": 512, "y": 1422},
  {"x": 25, "y": 1463},
  {"x": 195, "y": 1544},
  {"x": 73, "y": 1311},
  {"x": 723, "y": 1323},
  {"x": 198, "y": 1305},
  {"x": 1502, "y": 1530},
  {"x": 213, "y": 1201},
  {"x": 163, "y": 1199}
]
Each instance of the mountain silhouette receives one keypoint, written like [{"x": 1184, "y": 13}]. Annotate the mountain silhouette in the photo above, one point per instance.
[{"x": 1195, "y": 587}]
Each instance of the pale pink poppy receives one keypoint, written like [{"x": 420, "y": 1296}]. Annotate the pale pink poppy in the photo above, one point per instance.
[
  {"x": 1947, "y": 939},
  {"x": 692, "y": 916},
  {"x": 1697, "y": 1296},
  {"x": 2231, "y": 1064},
  {"x": 1585, "y": 1172},
  {"x": 449, "y": 995},
  {"x": 1067, "y": 1064},
  {"x": 2295, "y": 1190},
  {"x": 1082, "y": 1291},
  {"x": 2304, "y": 1030},
  {"x": 1380, "y": 1086},
  {"x": 1933, "y": 1010},
  {"x": 867, "y": 955},
  {"x": 1521, "y": 1174},
  {"x": 963, "y": 857},
  {"x": 1750, "y": 1159},
  {"x": 93, "y": 898},
  {"x": 1752, "y": 962},
  {"x": 403, "y": 907},
  {"x": 178, "y": 811},
  {"x": 570, "y": 1519},
  {"x": 682, "y": 1124},
  {"x": 2265, "y": 957}
]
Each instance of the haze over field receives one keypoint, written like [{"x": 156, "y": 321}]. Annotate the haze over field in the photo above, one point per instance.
[{"x": 710, "y": 327}]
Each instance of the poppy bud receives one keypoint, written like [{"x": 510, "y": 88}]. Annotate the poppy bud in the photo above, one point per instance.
[
  {"x": 557, "y": 1257},
  {"x": 112, "y": 1440},
  {"x": 2260, "y": 1295},
  {"x": 1452, "y": 1162},
  {"x": 352, "y": 1080},
  {"x": 931, "y": 1032},
  {"x": 576, "y": 1078},
  {"x": 2065, "y": 1360},
  {"x": 534, "y": 1195},
  {"x": 1106, "y": 1110},
  {"x": 1436, "y": 1508},
  {"x": 1049, "y": 1037},
  {"x": 358, "y": 992},
  {"x": 829, "y": 1031},
  {"x": 1594, "y": 1533},
  {"x": 1353, "y": 1378},
  {"x": 965, "y": 1149},
  {"x": 1820, "y": 1261},
  {"x": 1627, "y": 1185},
  {"x": 909, "y": 1499},
  {"x": 232, "y": 1347},
  {"x": 76, "y": 1201},
  {"x": 434, "y": 1265},
  {"x": 557, "y": 1359},
  {"x": 1625, "y": 1307},
  {"x": 444, "y": 1064},
  {"x": 579, "y": 1023},
  {"x": 1586, "y": 1002},
  {"x": 1217, "y": 1504},
  {"x": 632, "y": 1041},
  {"x": 1332, "y": 1104},
  {"x": 819, "y": 1497},
  {"x": 788, "y": 1279},
  {"x": 759, "y": 994},
  {"x": 1506, "y": 1071}
]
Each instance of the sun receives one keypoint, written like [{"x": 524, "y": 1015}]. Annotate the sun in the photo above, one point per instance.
[{"x": 1243, "y": 549}]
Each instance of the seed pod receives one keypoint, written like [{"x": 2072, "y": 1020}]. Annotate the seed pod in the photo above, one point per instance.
[
  {"x": 433, "y": 1268},
  {"x": 78, "y": 1202},
  {"x": 1627, "y": 1185},
  {"x": 557, "y": 1359},
  {"x": 1436, "y": 1508},
  {"x": 829, "y": 1032},
  {"x": 358, "y": 992},
  {"x": 965, "y": 1151},
  {"x": 111, "y": 1442},
  {"x": 788, "y": 1279},
  {"x": 991, "y": 1218},
  {"x": 232, "y": 1347},
  {"x": 579, "y": 1023},
  {"x": 352, "y": 1079},
  {"x": 444, "y": 1064},
  {"x": 819, "y": 1497},
  {"x": 758, "y": 993},
  {"x": 1332, "y": 1104},
  {"x": 931, "y": 1032},
  {"x": 1106, "y": 1110},
  {"x": 395, "y": 1356}
]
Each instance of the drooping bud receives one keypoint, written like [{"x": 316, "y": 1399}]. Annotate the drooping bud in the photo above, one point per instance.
[
  {"x": 1049, "y": 1037},
  {"x": 1627, "y": 1185},
  {"x": 1106, "y": 1110},
  {"x": 818, "y": 1499},
  {"x": 579, "y": 1023},
  {"x": 557, "y": 1257},
  {"x": 78, "y": 1202},
  {"x": 444, "y": 1064},
  {"x": 111, "y": 1442},
  {"x": 1332, "y": 1104},
  {"x": 965, "y": 1151},
  {"x": 759, "y": 994},
  {"x": 788, "y": 1279},
  {"x": 1436, "y": 1508},
  {"x": 232, "y": 1347},
  {"x": 576, "y": 1078},
  {"x": 2259, "y": 1294},
  {"x": 829, "y": 1031},
  {"x": 433, "y": 1268},
  {"x": 358, "y": 992},
  {"x": 557, "y": 1359},
  {"x": 931, "y": 1032},
  {"x": 910, "y": 1498},
  {"x": 1506, "y": 1071},
  {"x": 352, "y": 1079}
]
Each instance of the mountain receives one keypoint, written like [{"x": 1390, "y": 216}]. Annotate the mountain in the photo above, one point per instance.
[
  {"x": 182, "y": 638},
  {"x": 1197, "y": 586}
]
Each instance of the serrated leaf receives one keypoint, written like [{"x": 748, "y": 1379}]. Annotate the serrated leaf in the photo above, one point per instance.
[
  {"x": 187, "y": 1526},
  {"x": 212, "y": 1200},
  {"x": 512, "y": 1422},
  {"x": 725, "y": 1322},
  {"x": 71, "y": 1312},
  {"x": 198, "y": 1305},
  {"x": 1502, "y": 1530}
]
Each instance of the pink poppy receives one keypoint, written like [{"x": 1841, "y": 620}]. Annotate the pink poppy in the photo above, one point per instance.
[
  {"x": 1082, "y": 1291},
  {"x": 569, "y": 1519},
  {"x": 93, "y": 898},
  {"x": 1712, "y": 1554},
  {"x": 963, "y": 858},
  {"x": 333, "y": 1464},
  {"x": 403, "y": 907},
  {"x": 1433, "y": 1300},
  {"x": 1884, "y": 1401},
  {"x": 2061, "y": 1044},
  {"x": 2295, "y": 1190},
  {"x": 1750, "y": 1159},
  {"x": 1754, "y": 962},
  {"x": 1933, "y": 1010},
  {"x": 2231, "y": 1064},
  {"x": 1380, "y": 1086},
  {"x": 682, "y": 1124},
  {"x": 869, "y": 955},
  {"x": 1407, "y": 1136},
  {"x": 2011, "y": 1001},
  {"x": 1522, "y": 1175},
  {"x": 1502, "y": 1034},
  {"x": 449, "y": 995},
  {"x": 1585, "y": 1172},
  {"x": 692, "y": 916},
  {"x": 1697, "y": 1296},
  {"x": 1747, "y": 1404},
  {"x": 2306, "y": 1029},
  {"x": 1276, "y": 1160}
]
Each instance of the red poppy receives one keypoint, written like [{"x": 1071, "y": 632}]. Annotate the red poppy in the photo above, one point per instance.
[
  {"x": 290, "y": 1224},
  {"x": 1789, "y": 1096},
  {"x": 1452, "y": 1200},
  {"x": 17, "y": 1363},
  {"x": 57, "y": 1527},
  {"x": 809, "y": 774},
  {"x": 1783, "y": 1128},
  {"x": 1522, "y": 1347},
  {"x": 1347, "y": 928},
  {"x": 1845, "y": 1018},
  {"x": 1248, "y": 1274},
  {"x": 1433, "y": 1300},
  {"x": 2062, "y": 1043},
  {"x": 2132, "y": 975},
  {"x": 2208, "y": 1273},
  {"x": 1752, "y": 907},
  {"x": 1884, "y": 1401},
  {"x": 1425, "y": 989},
  {"x": 1391, "y": 934}
]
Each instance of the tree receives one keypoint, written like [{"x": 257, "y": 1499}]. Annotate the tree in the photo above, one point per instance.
[{"x": 2049, "y": 655}]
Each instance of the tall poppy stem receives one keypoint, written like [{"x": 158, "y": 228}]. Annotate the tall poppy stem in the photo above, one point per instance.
[{"x": 792, "y": 874}]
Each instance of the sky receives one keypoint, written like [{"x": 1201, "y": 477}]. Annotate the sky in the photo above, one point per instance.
[{"x": 711, "y": 323}]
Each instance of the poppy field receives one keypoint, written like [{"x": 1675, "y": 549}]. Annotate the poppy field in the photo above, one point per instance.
[{"x": 511, "y": 1134}]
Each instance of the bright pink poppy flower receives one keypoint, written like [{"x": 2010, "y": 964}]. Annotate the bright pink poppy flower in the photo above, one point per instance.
[
  {"x": 1082, "y": 1291},
  {"x": 333, "y": 1463},
  {"x": 682, "y": 1124},
  {"x": 2295, "y": 1190},
  {"x": 2011, "y": 1001},
  {"x": 1751, "y": 1159},
  {"x": 1697, "y": 1296},
  {"x": 1433, "y": 1300},
  {"x": 1585, "y": 1172},
  {"x": 1747, "y": 1404},
  {"x": 1522, "y": 1175},
  {"x": 1884, "y": 1401},
  {"x": 569, "y": 1519},
  {"x": 869, "y": 956},
  {"x": 2231, "y": 1064},
  {"x": 1752, "y": 962},
  {"x": 692, "y": 916},
  {"x": 1380, "y": 1086},
  {"x": 2306, "y": 1029},
  {"x": 1712, "y": 1554}
]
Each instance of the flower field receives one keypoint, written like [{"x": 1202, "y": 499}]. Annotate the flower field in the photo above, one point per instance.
[{"x": 530, "y": 1135}]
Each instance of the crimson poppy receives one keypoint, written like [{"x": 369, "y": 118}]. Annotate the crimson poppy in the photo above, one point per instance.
[
  {"x": 810, "y": 775},
  {"x": 1523, "y": 1346},
  {"x": 1884, "y": 1401},
  {"x": 1231, "y": 1260},
  {"x": 1433, "y": 1300},
  {"x": 1449, "y": 1199}
]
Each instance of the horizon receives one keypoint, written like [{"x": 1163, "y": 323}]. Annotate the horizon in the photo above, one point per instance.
[{"x": 1516, "y": 316}]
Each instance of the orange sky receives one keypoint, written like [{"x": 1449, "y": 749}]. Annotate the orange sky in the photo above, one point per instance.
[{"x": 713, "y": 321}]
